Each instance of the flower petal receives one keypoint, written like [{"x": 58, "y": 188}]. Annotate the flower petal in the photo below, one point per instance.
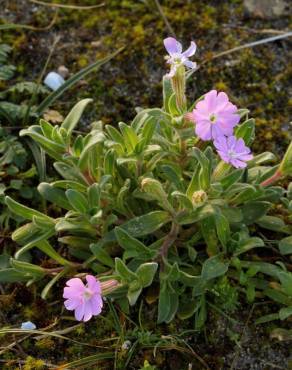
[
  {"x": 237, "y": 163},
  {"x": 79, "y": 312},
  {"x": 72, "y": 303},
  {"x": 210, "y": 99},
  {"x": 172, "y": 45},
  {"x": 190, "y": 51},
  {"x": 190, "y": 64},
  {"x": 96, "y": 303},
  {"x": 93, "y": 284},
  {"x": 72, "y": 293},
  {"x": 87, "y": 311},
  {"x": 75, "y": 283},
  {"x": 221, "y": 143},
  {"x": 203, "y": 130}
]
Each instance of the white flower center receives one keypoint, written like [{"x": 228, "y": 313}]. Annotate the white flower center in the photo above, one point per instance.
[
  {"x": 232, "y": 154},
  {"x": 87, "y": 294},
  {"x": 213, "y": 118}
]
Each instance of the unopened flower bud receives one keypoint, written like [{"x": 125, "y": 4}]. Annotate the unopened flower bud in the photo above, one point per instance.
[
  {"x": 286, "y": 164},
  {"x": 155, "y": 189},
  {"x": 199, "y": 197},
  {"x": 108, "y": 286}
]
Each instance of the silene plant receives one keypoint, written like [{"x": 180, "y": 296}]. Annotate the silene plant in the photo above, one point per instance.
[{"x": 172, "y": 208}]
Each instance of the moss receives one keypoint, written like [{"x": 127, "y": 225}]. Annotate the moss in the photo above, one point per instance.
[{"x": 33, "y": 364}]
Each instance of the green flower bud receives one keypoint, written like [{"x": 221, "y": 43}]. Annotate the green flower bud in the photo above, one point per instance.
[
  {"x": 155, "y": 189},
  {"x": 199, "y": 197},
  {"x": 286, "y": 164}
]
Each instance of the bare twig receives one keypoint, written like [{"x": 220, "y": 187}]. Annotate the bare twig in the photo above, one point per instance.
[
  {"x": 237, "y": 48},
  {"x": 167, "y": 24},
  {"x": 169, "y": 240},
  {"x": 255, "y": 30}
]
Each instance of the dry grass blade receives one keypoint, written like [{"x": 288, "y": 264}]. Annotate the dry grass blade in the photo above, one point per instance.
[
  {"x": 44, "y": 333},
  {"x": 9, "y": 26},
  {"x": 67, "y": 6},
  {"x": 244, "y": 46},
  {"x": 168, "y": 25}
]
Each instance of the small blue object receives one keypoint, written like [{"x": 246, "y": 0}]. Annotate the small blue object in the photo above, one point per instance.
[
  {"x": 53, "y": 80},
  {"x": 28, "y": 325}
]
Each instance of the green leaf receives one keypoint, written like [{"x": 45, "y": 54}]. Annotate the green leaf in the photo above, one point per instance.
[
  {"x": 196, "y": 215},
  {"x": 286, "y": 164},
  {"x": 272, "y": 223},
  {"x": 54, "y": 195},
  {"x": 133, "y": 294},
  {"x": 25, "y": 212},
  {"x": 146, "y": 273},
  {"x": 167, "y": 93},
  {"x": 231, "y": 178},
  {"x": 74, "y": 115},
  {"x": 130, "y": 137},
  {"x": 128, "y": 242},
  {"x": 246, "y": 131},
  {"x": 115, "y": 135},
  {"x": 28, "y": 269},
  {"x": 10, "y": 275},
  {"x": 46, "y": 248},
  {"x": 201, "y": 314},
  {"x": 286, "y": 282},
  {"x": 208, "y": 230},
  {"x": 187, "y": 308},
  {"x": 54, "y": 149},
  {"x": 94, "y": 193},
  {"x": 213, "y": 267},
  {"x": 163, "y": 303},
  {"x": 249, "y": 244},
  {"x": 50, "y": 284},
  {"x": 77, "y": 200},
  {"x": 72, "y": 81},
  {"x": 252, "y": 211},
  {"x": 267, "y": 318},
  {"x": 285, "y": 245},
  {"x": 285, "y": 312},
  {"x": 101, "y": 254},
  {"x": 223, "y": 229},
  {"x": 146, "y": 224},
  {"x": 172, "y": 106},
  {"x": 124, "y": 272}
]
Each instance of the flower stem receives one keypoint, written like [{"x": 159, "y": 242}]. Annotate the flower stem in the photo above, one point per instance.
[{"x": 277, "y": 175}]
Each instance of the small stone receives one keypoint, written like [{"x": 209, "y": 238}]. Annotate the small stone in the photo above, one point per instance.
[
  {"x": 63, "y": 71},
  {"x": 126, "y": 345},
  {"x": 53, "y": 80},
  {"x": 53, "y": 116},
  {"x": 95, "y": 44},
  {"x": 265, "y": 9},
  {"x": 28, "y": 325}
]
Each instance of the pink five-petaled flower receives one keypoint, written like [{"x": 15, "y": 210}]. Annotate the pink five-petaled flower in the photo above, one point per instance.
[
  {"x": 176, "y": 57},
  {"x": 233, "y": 151},
  {"x": 215, "y": 116},
  {"x": 86, "y": 299}
]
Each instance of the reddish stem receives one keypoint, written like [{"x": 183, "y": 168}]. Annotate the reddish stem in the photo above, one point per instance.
[{"x": 277, "y": 175}]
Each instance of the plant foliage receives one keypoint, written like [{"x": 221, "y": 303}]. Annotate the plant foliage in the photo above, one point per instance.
[{"x": 151, "y": 205}]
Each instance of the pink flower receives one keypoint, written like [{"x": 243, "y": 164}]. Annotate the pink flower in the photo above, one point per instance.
[
  {"x": 86, "y": 300},
  {"x": 233, "y": 151},
  {"x": 176, "y": 56},
  {"x": 215, "y": 116}
]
